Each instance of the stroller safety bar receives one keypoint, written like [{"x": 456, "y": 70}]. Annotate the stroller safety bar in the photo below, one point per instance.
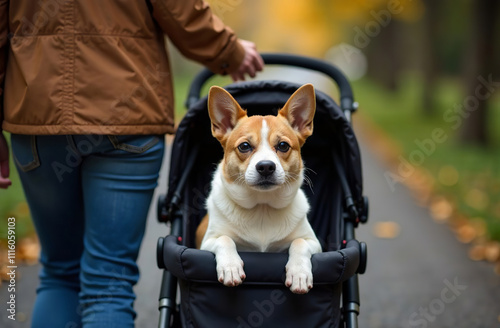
[
  {"x": 195, "y": 265},
  {"x": 347, "y": 103}
]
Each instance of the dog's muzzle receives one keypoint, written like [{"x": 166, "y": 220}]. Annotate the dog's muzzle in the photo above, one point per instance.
[
  {"x": 266, "y": 178},
  {"x": 265, "y": 168}
]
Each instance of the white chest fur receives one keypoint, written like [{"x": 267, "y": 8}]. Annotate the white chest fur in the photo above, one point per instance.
[{"x": 256, "y": 220}]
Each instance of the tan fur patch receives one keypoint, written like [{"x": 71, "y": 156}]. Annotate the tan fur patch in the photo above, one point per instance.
[
  {"x": 248, "y": 130},
  {"x": 235, "y": 162}
]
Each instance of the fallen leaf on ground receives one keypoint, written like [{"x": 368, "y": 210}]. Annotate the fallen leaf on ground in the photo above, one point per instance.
[
  {"x": 386, "y": 230},
  {"x": 477, "y": 253}
]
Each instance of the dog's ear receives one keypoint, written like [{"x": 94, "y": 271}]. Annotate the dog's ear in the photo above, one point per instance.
[
  {"x": 299, "y": 111},
  {"x": 224, "y": 112}
]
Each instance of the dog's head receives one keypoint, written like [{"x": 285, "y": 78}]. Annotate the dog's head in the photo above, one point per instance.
[{"x": 262, "y": 152}]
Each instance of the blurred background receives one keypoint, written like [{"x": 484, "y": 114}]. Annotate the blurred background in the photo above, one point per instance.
[{"x": 427, "y": 77}]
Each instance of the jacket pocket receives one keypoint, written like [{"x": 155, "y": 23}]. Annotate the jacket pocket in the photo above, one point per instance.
[
  {"x": 136, "y": 144},
  {"x": 25, "y": 152}
]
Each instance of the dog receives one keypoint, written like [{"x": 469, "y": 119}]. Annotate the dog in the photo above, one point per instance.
[{"x": 255, "y": 202}]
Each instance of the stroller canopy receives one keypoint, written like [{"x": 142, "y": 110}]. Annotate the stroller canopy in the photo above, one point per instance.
[{"x": 332, "y": 136}]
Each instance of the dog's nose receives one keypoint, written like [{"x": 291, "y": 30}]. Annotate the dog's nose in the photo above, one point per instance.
[{"x": 265, "y": 168}]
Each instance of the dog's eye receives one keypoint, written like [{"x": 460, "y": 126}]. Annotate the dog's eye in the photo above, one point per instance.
[
  {"x": 244, "y": 147},
  {"x": 283, "y": 147}
]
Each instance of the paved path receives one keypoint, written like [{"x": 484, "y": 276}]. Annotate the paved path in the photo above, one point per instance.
[{"x": 421, "y": 278}]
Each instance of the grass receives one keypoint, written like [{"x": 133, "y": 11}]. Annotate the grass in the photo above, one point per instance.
[{"x": 468, "y": 176}]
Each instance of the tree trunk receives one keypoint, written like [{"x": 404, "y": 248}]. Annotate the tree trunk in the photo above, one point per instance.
[
  {"x": 481, "y": 65},
  {"x": 383, "y": 55},
  {"x": 430, "y": 55}
]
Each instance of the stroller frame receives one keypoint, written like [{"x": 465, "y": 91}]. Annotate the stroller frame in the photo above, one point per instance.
[{"x": 353, "y": 213}]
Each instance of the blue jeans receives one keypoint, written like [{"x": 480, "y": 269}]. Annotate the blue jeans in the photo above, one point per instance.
[{"x": 89, "y": 197}]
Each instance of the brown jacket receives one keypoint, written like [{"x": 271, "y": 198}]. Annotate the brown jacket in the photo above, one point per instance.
[{"x": 100, "y": 66}]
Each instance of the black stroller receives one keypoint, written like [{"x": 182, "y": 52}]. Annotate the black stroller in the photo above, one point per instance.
[{"x": 332, "y": 157}]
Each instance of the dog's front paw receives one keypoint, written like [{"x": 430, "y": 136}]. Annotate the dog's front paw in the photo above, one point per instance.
[
  {"x": 299, "y": 277},
  {"x": 230, "y": 271}
]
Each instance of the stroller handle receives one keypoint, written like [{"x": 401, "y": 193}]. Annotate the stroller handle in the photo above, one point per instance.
[{"x": 346, "y": 96}]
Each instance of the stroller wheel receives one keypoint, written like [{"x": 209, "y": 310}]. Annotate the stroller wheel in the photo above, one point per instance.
[
  {"x": 159, "y": 253},
  {"x": 363, "y": 256},
  {"x": 161, "y": 208}
]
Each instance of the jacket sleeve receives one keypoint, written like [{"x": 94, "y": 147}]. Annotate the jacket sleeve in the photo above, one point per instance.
[
  {"x": 199, "y": 34},
  {"x": 4, "y": 42}
]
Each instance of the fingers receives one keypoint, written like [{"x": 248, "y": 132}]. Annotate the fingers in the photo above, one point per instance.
[
  {"x": 251, "y": 64},
  {"x": 258, "y": 61},
  {"x": 4, "y": 174},
  {"x": 251, "y": 70},
  {"x": 4, "y": 163},
  {"x": 238, "y": 77},
  {"x": 5, "y": 183}
]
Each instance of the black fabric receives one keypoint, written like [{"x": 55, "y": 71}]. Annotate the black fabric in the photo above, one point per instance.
[
  {"x": 258, "y": 306},
  {"x": 211, "y": 305},
  {"x": 262, "y": 300},
  {"x": 332, "y": 133}
]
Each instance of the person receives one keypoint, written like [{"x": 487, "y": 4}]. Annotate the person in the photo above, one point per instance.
[{"x": 87, "y": 98}]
